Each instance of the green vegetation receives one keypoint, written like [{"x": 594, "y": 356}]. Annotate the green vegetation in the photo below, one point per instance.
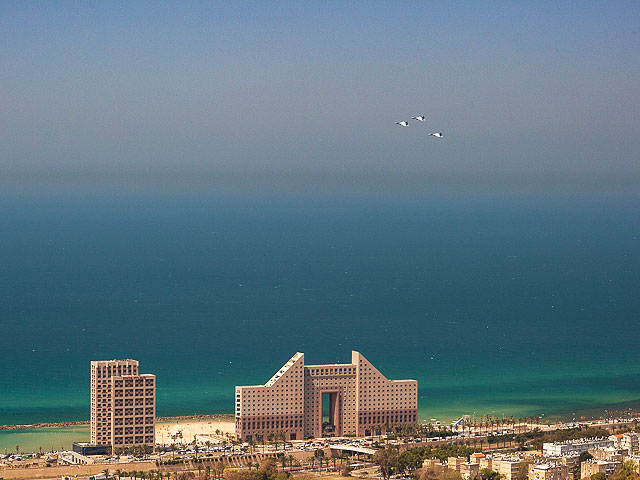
[
  {"x": 266, "y": 470},
  {"x": 488, "y": 474},
  {"x": 434, "y": 474},
  {"x": 410, "y": 461},
  {"x": 628, "y": 471},
  {"x": 536, "y": 437},
  {"x": 387, "y": 460}
]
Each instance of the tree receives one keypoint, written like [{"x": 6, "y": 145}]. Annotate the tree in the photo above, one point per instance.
[
  {"x": 219, "y": 470},
  {"x": 433, "y": 474},
  {"x": 598, "y": 476},
  {"x": 387, "y": 460},
  {"x": 409, "y": 461},
  {"x": 488, "y": 474},
  {"x": 260, "y": 438},
  {"x": 628, "y": 471}
]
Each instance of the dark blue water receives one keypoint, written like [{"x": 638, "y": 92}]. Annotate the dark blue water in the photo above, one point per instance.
[{"x": 507, "y": 303}]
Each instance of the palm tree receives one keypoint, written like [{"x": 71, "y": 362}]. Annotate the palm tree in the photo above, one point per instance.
[{"x": 260, "y": 438}]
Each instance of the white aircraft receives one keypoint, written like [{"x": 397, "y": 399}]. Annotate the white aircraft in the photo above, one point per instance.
[
  {"x": 437, "y": 134},
  {"x": 420, "y": 118},
  {"x": 403, "y": 123}
]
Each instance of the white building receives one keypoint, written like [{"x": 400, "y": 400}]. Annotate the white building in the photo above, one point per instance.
[{"x": 573, "y": 447}]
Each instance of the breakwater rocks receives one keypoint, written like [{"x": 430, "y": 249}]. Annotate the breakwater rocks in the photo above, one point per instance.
[
  {"x": 42, "y": 425},
  {"x": 86, "y": 422}
]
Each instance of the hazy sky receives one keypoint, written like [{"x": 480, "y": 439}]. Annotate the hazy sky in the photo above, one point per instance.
[{"x": 306, "y": 88}]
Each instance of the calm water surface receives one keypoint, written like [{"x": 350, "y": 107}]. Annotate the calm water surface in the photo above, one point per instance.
[{"x": 519, "y": 304}]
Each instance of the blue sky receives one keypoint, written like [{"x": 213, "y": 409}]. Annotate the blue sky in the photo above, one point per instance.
[{"x": 314, "y": 88}]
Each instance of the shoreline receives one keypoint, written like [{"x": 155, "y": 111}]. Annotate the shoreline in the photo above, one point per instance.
[{"x": 86, "y": 422}]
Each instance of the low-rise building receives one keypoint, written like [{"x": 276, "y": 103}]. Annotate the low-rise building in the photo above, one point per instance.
[
  {"x": 591, "y": 467},
  {"x": 455, "y": 462},
  {"x": 610, "y": 454},
  {"x": 476, "y": 457},
  {"x": 549, "y": 471},
  {"x": 630, "y": 442},
  {"x": 469, "y": 470},
  {"x": 433, "y": 463},
  {"x": 84, "y": 448},
  {"x": 485, "y": 462},
  {"x": 569, "y": 447},
  {"x": 507, "y": 466}
]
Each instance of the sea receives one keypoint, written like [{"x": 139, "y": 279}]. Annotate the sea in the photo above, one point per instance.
[{"x": 502, "y": 302}]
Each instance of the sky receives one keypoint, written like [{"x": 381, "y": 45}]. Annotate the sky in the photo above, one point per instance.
[{"x": 302, "y": 89}]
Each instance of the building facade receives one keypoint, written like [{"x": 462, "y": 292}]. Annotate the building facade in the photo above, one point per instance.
[
  {"x": 591, "y": 467},
  {"x": 628, "y": 441},
  {"x": 574, "y": 447},
  {"x": 549, "y": 471},
  {"x": 507, "y": 466},
  {"x": 123, "y": 404},
  {"x": 360, "y": 400}
]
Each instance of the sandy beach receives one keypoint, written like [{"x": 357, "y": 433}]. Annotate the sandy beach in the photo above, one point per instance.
[{"x": 214, "y": 430}]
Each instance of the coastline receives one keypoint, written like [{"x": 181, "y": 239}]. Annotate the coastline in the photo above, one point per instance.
[{"x": 86, "y": 422}]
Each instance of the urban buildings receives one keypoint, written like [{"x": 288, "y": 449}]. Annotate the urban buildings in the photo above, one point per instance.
[
  {"x": 359, "y": 398},
  {"x": 507, "y": 466},
  {"x": 123, "y": 404},
  {"x": 571, "y": 447},
  {"x": 549, "y": 471},
  {"x": 591, "y": 467},
  {"x": 627, "y": 441}
]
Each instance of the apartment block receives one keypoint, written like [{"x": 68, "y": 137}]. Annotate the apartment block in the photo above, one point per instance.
[
  {"x": 610, "y": 454},
  {"x": 485, "y": 462},
  {"x": 433, "y": 463},
  {"x": 360, "y": 401},
  {"x": 628, "y": 441},
  {"x": 590, "y": 467},
  {"x": 123, "y": 404},
  {"x": 507, "y": 467},
  {"x": 469, "y": 470},
  {"x": 454, "y": 463},
  {"x": 573, "y": 447},
  {"x": 549, "y": 471}
]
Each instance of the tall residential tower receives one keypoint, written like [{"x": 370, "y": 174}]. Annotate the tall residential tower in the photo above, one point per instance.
[{"x": 123, "y": 404}]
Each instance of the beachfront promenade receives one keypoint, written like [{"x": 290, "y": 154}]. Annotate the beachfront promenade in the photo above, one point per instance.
[{"x": 180, "y": 453}]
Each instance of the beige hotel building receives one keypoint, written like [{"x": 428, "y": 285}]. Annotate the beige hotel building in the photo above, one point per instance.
[
  {"x": 359, "y": 398},
  {"x": 123, "y": 404}
]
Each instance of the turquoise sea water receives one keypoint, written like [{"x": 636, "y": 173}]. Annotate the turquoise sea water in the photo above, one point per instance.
[
  {"x": 509, "y": 303},
  {"x": 51, "y": 439}
]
